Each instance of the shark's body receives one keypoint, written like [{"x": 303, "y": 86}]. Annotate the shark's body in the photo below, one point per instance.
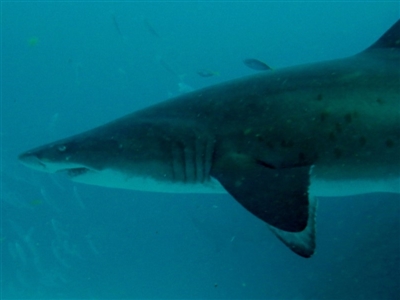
[{"x": 273, "y": 141}]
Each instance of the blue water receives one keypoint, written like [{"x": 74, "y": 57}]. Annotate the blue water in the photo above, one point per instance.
[{"x": 67, "y": 67}]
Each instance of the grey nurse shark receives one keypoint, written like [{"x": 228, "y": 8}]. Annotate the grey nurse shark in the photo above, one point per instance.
[{"x": 274, "y": 141}]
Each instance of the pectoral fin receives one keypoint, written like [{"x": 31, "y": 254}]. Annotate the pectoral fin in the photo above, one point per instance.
[
  {"x": 278, "y": 196},
  {"x": 303, "y": 242}
]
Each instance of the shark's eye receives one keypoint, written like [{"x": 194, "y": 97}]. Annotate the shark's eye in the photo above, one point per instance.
[{"x": 62, "y": 148}]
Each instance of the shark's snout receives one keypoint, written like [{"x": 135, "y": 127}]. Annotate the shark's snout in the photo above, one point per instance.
[
  {"x": 30, "y": 159},
  {"x": 42, "y": 160}
]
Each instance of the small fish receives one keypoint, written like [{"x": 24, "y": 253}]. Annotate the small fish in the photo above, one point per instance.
[
  {"x": 256, "y": 64},
  {"x": 207, "y": 73}
]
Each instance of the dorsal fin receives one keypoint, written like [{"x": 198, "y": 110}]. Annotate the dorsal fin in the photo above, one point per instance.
[{"x": 390, "y": 39}]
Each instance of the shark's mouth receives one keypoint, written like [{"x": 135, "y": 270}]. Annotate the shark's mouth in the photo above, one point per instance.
[{"x": 74, "y": 172}]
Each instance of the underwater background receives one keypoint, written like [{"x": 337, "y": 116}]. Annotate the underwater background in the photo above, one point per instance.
[{"x": 69, "y": 66}]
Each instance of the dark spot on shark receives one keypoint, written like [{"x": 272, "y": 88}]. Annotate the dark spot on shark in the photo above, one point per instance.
[
  {"x": 338, "y": 128},
  {"x": 362, "y": 141},
  {"x": 270, "y": 145},
  {"x": 320, "y": 97},
  {"x": 332, "y": 136},
  {"x": 323, "y": 116},
  {"x": 380, "y": 101},
  {"x": 348, "y": 118},
  {"x": 302, "y": 157},
  {"x": 262, "y": 139},
  {"x": 389, "y": 143},
  {"x": 286, "y": 144},
  {"x": 337, "y": 152}
]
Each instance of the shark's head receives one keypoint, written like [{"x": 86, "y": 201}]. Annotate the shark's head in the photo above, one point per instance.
[{"x": 142, "y": 155}]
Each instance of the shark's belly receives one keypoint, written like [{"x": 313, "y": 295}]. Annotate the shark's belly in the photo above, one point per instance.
[{"x": 318, "y": 187}]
